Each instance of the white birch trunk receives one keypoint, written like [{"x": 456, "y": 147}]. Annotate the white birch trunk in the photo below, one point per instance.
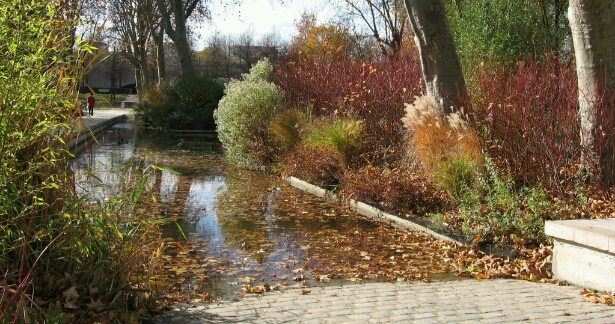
[{"x": 593, "y": 33}]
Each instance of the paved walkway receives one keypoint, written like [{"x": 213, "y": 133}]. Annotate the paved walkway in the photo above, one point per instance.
[
  {"x": 93, "y": 126},
  {"x": 101, "y": 115},
  {"x": 460, "y": 301}
]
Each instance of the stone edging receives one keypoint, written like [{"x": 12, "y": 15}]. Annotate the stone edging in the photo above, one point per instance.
[
  {"x": 367, "y": 210},
  {"x": 87, "y": 133}
]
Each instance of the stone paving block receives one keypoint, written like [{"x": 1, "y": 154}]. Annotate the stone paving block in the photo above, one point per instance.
[
  {"x": 403, "y": 311},
  {"x": 341, "y": 312},
  {"x": 362, "y": 310},
  {"x": 424, "y": 310},
  {"x": 318, "y": 316},
  {"x": 517, "y": 318},
  {"x": 379, "y": 320},
  {"x": 312, "y": 321},
  {"x": 381, "y": 314},
  {"x": 493, "y": 320},
  {"x": 487, "y": 315},
  {"x": 446, "y": 313},
  {"x": 315, "y": 309},
  {"x": 425, "y": 321},
  {"x": 400, "y": 318},
  {"x": 359, "y": 317},
  {"x": 423, "y": 315},
  {"x": 390, "y": 307}
]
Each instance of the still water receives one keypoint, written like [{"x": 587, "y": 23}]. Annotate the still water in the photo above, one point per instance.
[{"x": 245, "y": 231}]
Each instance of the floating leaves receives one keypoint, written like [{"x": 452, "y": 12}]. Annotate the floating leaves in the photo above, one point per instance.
[{"x": 251, "y": 239}]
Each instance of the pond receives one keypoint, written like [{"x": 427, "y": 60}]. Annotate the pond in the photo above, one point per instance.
[{"x": 248, "y": 232}]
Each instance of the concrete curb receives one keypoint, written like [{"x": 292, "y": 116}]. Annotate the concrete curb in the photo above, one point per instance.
[
  {"x": 87, "y": 133},
  {"x": 367, "y": 210}
]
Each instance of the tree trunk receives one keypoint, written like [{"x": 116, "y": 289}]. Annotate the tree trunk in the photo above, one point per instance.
[
  {"x": 593, "y": 32},
  {"x": 441, "y": 68},
  {"x": 178, "y": 32},
  {"x": 160, "y": 56}
]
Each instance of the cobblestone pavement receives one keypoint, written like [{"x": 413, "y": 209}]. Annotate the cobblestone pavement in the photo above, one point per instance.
[{"x": 459, "y": 301}]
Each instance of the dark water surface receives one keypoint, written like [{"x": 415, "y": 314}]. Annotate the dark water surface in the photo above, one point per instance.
[{"x": 243, "y": 228}]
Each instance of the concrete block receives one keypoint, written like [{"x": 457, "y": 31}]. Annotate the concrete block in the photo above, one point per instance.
[
  {"x": 584, "y": 252},
  {"x": 595, "y": 233}
]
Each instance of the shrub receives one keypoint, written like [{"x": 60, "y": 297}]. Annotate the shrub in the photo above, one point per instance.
[
  {"x": 188, "y": 103},
  {"x": 528, "y": 116},
  {"x": 244, "y": 113},
  {"x": 393, "y": 189},
  {"x": 505, "y": 31},
  {"x": 155, "y": 113},
  {"x": 317, "y": 165},
  {"x": 51, "y": 240},
  {"x": 200, "y": 92},
  {"x": 285, "y": 130},
  {"x": 371, "y": 91},
  {"x": 457, "y": 176},
  {"x": 342, "y": 135},
  {"x": 494, "y": 210}
]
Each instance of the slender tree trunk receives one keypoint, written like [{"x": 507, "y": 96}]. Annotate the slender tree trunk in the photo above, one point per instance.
[
  {"x": 441, "y": 68},
  {"x": 160, "y": 56},
  {"x": 139, "y": 82},
  {"x": 179, "y": 35},
  {"x": 593, "y": 33}
]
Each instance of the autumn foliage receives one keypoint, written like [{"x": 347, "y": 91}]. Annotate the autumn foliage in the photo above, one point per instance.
[{"x": 372, "y": 91}]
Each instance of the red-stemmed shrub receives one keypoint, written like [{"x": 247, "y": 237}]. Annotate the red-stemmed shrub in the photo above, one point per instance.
[
  {"x": 605, "y": 139},
  {"x": 528, "y": 116},
  {"x": 394, "y": 189},
  {"x": 372, "y": 91},
  {"x": 319, "y": 166}
]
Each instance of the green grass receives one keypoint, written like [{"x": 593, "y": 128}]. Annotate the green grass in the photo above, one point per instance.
[{"x": 103, "y": 100}]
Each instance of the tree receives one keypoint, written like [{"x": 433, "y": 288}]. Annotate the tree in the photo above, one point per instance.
[
  {"x": 318, "y": 41},
  {"x": 175, "y": 14},
  {"x": 132, "y": 25},
  {"x": 218, "y": 55},
  {"x": 114, "y": 70},
  {"x": 442, "y": 73},
  {"x": 385, "y": 19},
  {"x": 272, "y": 45},
  {"x": 506, "y": 31},
  {"x": 245, "y": 50},
  {"x": 593, "y": 33}
]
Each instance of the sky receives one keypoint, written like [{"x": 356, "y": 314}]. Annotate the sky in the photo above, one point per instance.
[{"x": 262, "y": 16}]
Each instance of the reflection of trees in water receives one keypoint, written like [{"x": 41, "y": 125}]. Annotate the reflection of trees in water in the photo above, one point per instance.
[{"x": 251, "y": 220}]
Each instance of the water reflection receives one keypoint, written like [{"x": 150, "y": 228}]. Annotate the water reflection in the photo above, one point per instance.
[{"x": 246, "y": 228}]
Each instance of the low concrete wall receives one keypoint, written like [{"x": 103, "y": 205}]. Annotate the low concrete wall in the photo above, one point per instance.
[
  {"x": 367, "y": 210},
  {"x": 88, "y": 133}
]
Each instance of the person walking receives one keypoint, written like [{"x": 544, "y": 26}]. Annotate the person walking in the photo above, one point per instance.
[{"x": 91, "y": 102}]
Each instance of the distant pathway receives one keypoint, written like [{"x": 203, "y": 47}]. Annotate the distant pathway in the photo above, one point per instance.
[{"x": 460, "y": 301}]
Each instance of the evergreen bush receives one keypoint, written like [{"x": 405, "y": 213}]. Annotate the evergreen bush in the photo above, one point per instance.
[
  {"x": 187, "y": 103},
  {"x": 244, "y": 115}
]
